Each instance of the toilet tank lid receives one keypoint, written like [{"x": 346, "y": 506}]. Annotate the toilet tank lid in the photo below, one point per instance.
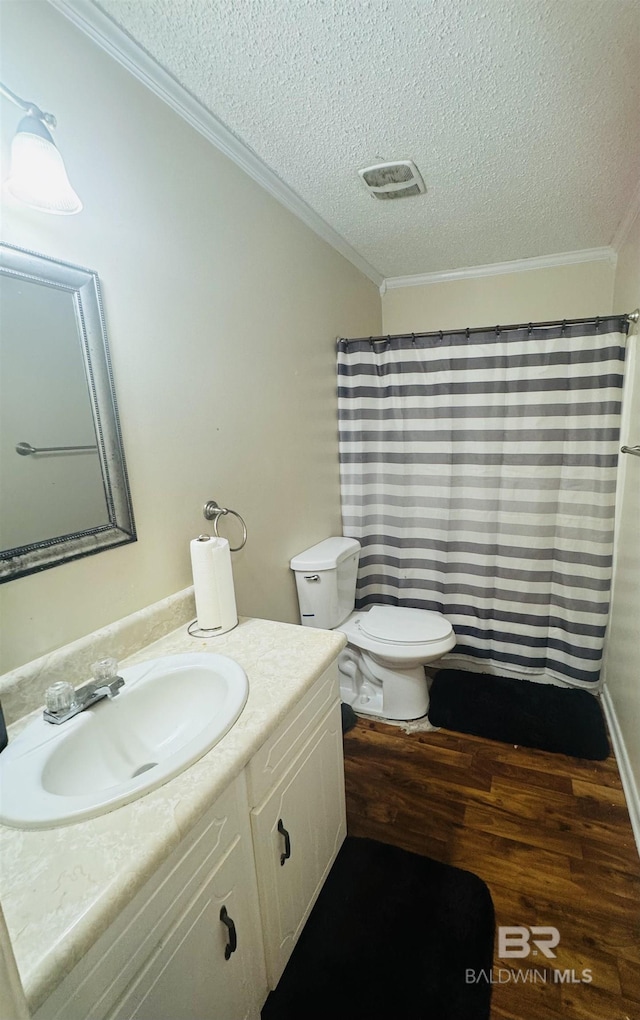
[{"x": 325, "y": 555}]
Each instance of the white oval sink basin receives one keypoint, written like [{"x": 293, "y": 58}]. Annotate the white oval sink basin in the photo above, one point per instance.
[{"x": 170, "y": 712}]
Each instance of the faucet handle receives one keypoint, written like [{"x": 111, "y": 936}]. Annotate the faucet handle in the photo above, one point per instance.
[
  {"x": 104, "y": 670},
  {"x": 60, "y": 698}
]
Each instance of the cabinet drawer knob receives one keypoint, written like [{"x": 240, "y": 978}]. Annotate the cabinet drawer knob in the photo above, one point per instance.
[
  {"x": 287, "y": 842},
  {"x": 232, "y": 944}
]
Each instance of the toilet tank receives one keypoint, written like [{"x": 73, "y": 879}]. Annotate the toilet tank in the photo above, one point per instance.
[{"x": 326, "y": 581}]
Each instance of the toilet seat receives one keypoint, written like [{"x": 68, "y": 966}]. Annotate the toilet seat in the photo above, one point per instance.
[
  {"x": 403, "y": 626},
  {"x": 437, "y": 636}
]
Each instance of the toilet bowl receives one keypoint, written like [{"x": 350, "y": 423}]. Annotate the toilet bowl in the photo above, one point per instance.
[{"x": 382, "y": 668}]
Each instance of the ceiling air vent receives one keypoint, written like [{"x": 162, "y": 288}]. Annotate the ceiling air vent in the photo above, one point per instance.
[{"x": 393, "y": 180}]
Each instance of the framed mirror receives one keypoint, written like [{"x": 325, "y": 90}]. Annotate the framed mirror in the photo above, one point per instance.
[{"x": 64, "y": 491}]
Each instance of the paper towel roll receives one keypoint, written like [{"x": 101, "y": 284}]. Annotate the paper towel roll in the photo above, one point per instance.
[{"x": 213, "y": 584}]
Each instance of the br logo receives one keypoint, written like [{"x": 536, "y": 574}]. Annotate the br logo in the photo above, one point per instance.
[{"x": 515, "y": 940}]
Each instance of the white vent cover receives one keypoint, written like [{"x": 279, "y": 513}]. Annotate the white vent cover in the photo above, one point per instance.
[{"x": 401, "y": 179}]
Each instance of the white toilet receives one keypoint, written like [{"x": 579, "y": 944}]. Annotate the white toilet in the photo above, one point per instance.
[{"x": 382, "y": 667}]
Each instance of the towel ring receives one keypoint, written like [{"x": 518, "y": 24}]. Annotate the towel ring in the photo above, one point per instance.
[{"x": 213, "y": 512}]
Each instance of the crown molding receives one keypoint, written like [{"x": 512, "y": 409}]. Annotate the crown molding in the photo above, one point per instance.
[
  {"x": 99, "y": 27},
  {"x": 627, "y": 221},
  {"x": 567, "y": 258}
]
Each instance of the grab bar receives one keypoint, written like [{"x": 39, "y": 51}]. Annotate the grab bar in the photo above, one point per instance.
[
  {"x": 26, "y": 449},
  {"x": 635, "y": 450}
]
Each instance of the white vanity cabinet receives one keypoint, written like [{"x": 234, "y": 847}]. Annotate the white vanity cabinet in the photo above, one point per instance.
[
  {"x": 166, "y": 956},
  {"x": 298, "y": 821},
  {"x": 191, "y": 944},
  {"x": 203, "y": 966}
]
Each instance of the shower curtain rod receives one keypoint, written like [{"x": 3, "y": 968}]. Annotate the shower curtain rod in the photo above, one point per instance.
[{"x": 631, "y": 317}]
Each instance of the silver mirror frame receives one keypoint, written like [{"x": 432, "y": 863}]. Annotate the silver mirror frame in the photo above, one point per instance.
[{"x": 83, "y": 285}]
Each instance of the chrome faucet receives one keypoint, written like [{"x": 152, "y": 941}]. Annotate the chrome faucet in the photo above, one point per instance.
[{"x": 63, "y": 701}]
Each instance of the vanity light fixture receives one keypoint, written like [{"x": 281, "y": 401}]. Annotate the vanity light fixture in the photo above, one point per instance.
[{"x": 38, "y": 177}]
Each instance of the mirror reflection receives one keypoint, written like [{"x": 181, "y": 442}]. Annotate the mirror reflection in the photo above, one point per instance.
[{"x": 63, "y": 485}]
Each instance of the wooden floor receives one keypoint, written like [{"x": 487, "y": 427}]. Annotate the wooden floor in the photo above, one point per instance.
[{"x": 550, "y": 836}]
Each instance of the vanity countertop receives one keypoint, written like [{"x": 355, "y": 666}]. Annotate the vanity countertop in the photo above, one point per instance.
[{"x": 61, "y": 888}]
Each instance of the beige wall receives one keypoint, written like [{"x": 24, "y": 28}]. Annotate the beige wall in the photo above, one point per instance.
[
  {"x": 222, "y": 311},
  {"x": 622, "y": 672},
  {"x": 537, "y": 295}
]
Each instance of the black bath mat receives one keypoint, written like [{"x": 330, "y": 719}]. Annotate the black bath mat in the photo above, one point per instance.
[
  {"x": 520, "y": 712},
  {"x": 393, "y": 935},
  {"x": 349, "y": 717}
]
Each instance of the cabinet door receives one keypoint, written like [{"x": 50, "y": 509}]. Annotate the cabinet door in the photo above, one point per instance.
[
  {"x": 297, "y": 832},
  {"x": 193, "y": 974}
]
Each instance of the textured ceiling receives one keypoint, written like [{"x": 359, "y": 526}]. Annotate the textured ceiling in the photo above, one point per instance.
[{"x": 522, "y": 115}]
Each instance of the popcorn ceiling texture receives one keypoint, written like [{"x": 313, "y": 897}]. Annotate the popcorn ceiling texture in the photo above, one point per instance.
[{"x": 522, "y": 115}]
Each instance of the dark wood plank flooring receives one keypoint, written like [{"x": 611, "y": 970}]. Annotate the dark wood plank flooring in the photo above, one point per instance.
[{"x": 550, "y": 836}]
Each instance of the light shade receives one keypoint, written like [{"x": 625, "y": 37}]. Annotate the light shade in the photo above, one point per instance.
[{"x": 38, "y": 177}]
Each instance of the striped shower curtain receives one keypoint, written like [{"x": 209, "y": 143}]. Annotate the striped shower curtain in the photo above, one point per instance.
[{"x": 478, "y": 471}]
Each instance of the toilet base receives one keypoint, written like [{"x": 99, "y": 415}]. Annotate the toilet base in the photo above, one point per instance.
[{"x": 376, "y": 690}]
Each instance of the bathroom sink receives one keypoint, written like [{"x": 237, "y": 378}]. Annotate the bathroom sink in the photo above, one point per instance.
[{"x": 170, "y": 712}]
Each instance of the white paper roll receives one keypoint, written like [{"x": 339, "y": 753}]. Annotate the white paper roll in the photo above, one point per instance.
[{"x": 213, "y": 584}]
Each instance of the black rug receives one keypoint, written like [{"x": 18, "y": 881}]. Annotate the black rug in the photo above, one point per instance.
[
  {"x": 520, "y": 712},
  {"x": 393, "y": 936}
]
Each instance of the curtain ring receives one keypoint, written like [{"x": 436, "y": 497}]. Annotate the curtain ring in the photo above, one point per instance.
[
  {"x": 413, "y": 339},
  {"x": 441, "y": 335},
  {"x": 467, "y": 332},
  {"x": 497, "y": 331},
  {"x": 530, "y": 329},
  {"x": 597, "y": 322},
  {"x": 564, "y": 326}
]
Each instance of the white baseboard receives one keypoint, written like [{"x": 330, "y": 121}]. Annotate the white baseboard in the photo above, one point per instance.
[{"x": 629, "y": 785}]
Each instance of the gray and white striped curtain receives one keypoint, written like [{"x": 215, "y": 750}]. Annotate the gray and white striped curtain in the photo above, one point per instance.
[{"x": 478, "y": 471}]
